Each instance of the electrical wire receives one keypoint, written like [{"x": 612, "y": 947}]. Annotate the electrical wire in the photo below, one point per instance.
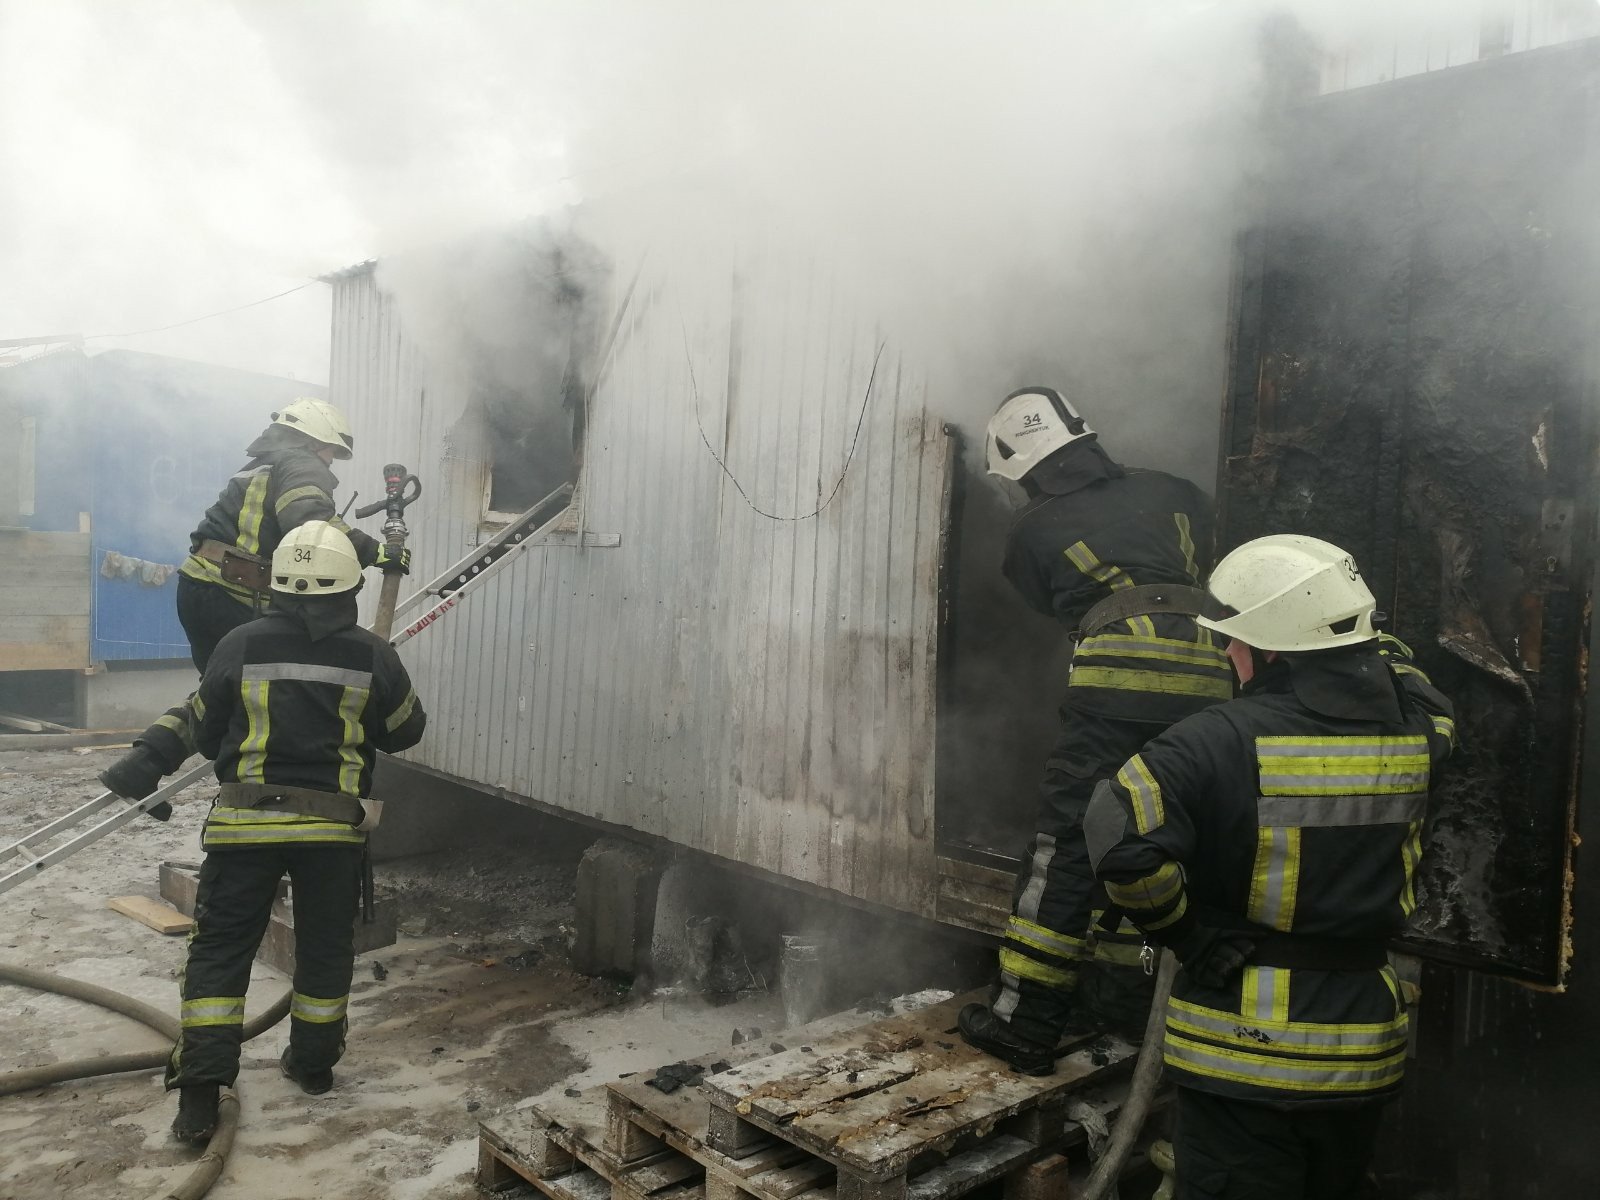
[
  {"x": 739, "y": 487},
  {"x": 92, "y": 337}
]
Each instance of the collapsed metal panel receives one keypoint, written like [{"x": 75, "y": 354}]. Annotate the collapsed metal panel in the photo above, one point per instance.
[{"x": 1410, "y": 380}]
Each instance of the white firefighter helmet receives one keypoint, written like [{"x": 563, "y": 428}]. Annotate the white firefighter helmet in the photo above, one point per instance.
[
  {"x": 1031, "y": 425},
  {"x": 1288, "y": 592},
  {"x": 319, "y": 421},
  {"x": 315, "y": 559}
]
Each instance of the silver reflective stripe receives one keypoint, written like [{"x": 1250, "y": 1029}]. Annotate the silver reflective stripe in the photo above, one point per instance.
[
  {"x": 1350, "y": 1039},
  {"x": 1244, "y": 1067},
  {"x": 307, "y": 673},
  {"x": 1044, "y": 939},
  {"x": 1341, "y": 746},
  {"x": 1044, "y": 850},
  {"x": 1010, "y": 993},
  {"x": 1148, "y": 811},
  {"x": 318, "y": 1011},
  {"x": 1309, "y": 782},
  {"x": 1329, "y": 811},
  {"x": 1276, "y": 879}
]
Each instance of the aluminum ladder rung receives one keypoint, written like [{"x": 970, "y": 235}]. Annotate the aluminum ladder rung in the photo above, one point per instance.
[{"x": 34, "y": 860}]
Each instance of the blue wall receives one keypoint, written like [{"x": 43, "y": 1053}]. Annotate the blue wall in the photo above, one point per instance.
[{"x": 143, "y": 444}]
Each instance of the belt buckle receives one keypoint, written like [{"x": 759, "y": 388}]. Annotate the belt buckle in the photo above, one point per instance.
[{"x": 1147, "y": 958}]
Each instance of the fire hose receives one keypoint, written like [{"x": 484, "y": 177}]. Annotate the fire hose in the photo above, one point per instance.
[
  {"x": 1141, "y": 1089},
  {"x": 401, "y": 489}
]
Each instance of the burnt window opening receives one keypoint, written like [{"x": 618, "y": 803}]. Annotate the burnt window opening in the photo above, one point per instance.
[{"x": 533, "y": 366}]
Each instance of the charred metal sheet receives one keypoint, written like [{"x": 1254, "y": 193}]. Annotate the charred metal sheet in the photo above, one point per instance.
[{"x": 1411, "y": 380}]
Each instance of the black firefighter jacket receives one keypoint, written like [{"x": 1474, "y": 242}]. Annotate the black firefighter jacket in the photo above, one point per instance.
[
  {"x": 1099, "y": 528},
  {"x": 299, "y": 700},
  {"x": 282, "y": 486},
  {"x": 1294, "y": 813}
]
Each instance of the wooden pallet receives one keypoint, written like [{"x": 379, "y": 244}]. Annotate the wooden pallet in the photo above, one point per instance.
[{"x": 756, "y": 1125}]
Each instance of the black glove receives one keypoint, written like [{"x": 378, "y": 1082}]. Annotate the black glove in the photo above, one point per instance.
[
  {"x": 1212, "y": 957},
  {"x": 161, "y": 812},
  {"x": 393, "y": 558}
]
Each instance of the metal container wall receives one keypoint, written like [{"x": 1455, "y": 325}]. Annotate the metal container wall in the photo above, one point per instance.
[{"x": 756, "y": 684}]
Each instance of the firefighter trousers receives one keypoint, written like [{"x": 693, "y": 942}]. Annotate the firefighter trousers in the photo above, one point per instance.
[
  {"x": 208, "y": 614},
  {"x": 1051, "y": 974},
  {"x": 1238, "y": 1150},
  {"x": 232, "y": 907}
]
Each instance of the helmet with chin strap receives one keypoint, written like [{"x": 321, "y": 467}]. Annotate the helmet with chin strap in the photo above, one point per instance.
[
  {"x": 1287, "y": 592},
  {"x": 315, "y": 559}
]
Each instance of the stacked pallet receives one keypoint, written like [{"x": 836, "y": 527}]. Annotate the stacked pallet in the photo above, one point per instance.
[{"x": 859, "y": 1106}]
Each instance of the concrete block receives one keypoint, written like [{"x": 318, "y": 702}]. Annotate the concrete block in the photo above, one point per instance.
[{"x": 616, "y": 901}]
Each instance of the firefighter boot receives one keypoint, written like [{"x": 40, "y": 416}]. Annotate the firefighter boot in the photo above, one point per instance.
[
  {"x": 135, "y": 775},
  {"x": 981, "y": 1028},
  {"x": 197, "y": 1113},
  {"x": 312, "y": 1083}
]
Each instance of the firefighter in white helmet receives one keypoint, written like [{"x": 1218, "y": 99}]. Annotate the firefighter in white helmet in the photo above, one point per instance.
[
  {"x": 223, "y": 582},
  {"x": 1115, "y": 555},
  {"x": 1271, "y": 843},
  {"x": 293, "y": 708}
]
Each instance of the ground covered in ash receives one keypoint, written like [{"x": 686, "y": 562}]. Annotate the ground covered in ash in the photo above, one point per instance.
[{"x": 475, "y": 1008}]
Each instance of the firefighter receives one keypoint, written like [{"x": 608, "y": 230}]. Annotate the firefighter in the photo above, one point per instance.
[
  {"x": 1271, "y": 843},
  {"x": 293, "y": 707},
  {"x": 223, "y": 582},
  {"x": 1114, "y": 555}
]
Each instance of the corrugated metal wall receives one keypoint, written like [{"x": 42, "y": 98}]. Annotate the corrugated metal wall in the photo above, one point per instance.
[{"x": 756, "y": 686}]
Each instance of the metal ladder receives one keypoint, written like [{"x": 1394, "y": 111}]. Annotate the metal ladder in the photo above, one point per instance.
[{"x": 448, "y": 590}]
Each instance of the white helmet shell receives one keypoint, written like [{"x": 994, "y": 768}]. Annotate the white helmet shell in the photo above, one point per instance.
[
  {"x": 319, "y": 421},
  {"x": 1031, "y": 425},
  {"x": 1288, "y": 592},
  {"x": 315, "y": 559}
]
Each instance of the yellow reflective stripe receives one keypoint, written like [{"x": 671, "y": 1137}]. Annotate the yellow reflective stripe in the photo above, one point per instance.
[
  {"x": 398, "y": 717},
  {"x": 351, "y": 705},
  {"x": 1282, "y": 1036},
  {"x": 198, "y": 705},
  {"x": 1144, "y": 792},
  {"x": 1265, "y": 993},
  {"x": 1149, "y": 894},
  {"x": 176, "y": 724},
  {"x": 1165, "y": 682},
  {"x": 1343, "y": 744},
  {"x": 1062, "y": 945},
  {"x": 1160, "y": 649},
  {"x": 1275, "y": 879},
  {"x": 1186, "y": 544},
  {"x": 316, "y": 1010},
  {"x": 1153, "y": 924},
  {"x": 1024, "y": 967},
  {"x": 1085, "y": 559},
  {"x": 1295, "y": 1075},
  {"x": 206, "y": 571},
  {"x": 1445, "y": 728},
  {"x": 331, "y": 832},
  {"x": 262, "y": 816},
  {"x": 1118, "y": 953},
  {"x": 1410, "y": 855},
  {"x": 251, "y": 512},
  {"x": 258, "y": 727},
  {"x": 211, "y": 1010},
  {"x": 300, "y": 493}
]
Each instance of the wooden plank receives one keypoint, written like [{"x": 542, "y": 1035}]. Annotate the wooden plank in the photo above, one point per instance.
[
  {"x": 974, "y": 893},
  {"x": 493, "y": 1175},
  {"x": 665, "y": 1171},
  {"x": 163, "y": 918},
  {"x": 784, "y": 1183},
  {"x": 977, "y": 874},
  {"x": 981, "y": 918},
  {"x": 33, "y": 724},
  {"x": 65, "y": 599},
  {"x": 68, "y": 741},
  {"x": 961, "y": 1173},
  {"x": 1045, "y": 1179},
  {"x": 729, "y": 1134},
  {"x": 69, "y": 653},
  {"x": 580, "y": 1185}
]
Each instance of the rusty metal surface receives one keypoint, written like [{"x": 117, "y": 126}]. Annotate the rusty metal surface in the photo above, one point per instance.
[
  {"x": 759, "y": 688},
  {"x": 1410, "y": 382}
]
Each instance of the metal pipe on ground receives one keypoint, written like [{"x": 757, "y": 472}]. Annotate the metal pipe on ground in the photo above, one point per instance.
[{"x": 1141, "y": 1090}]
